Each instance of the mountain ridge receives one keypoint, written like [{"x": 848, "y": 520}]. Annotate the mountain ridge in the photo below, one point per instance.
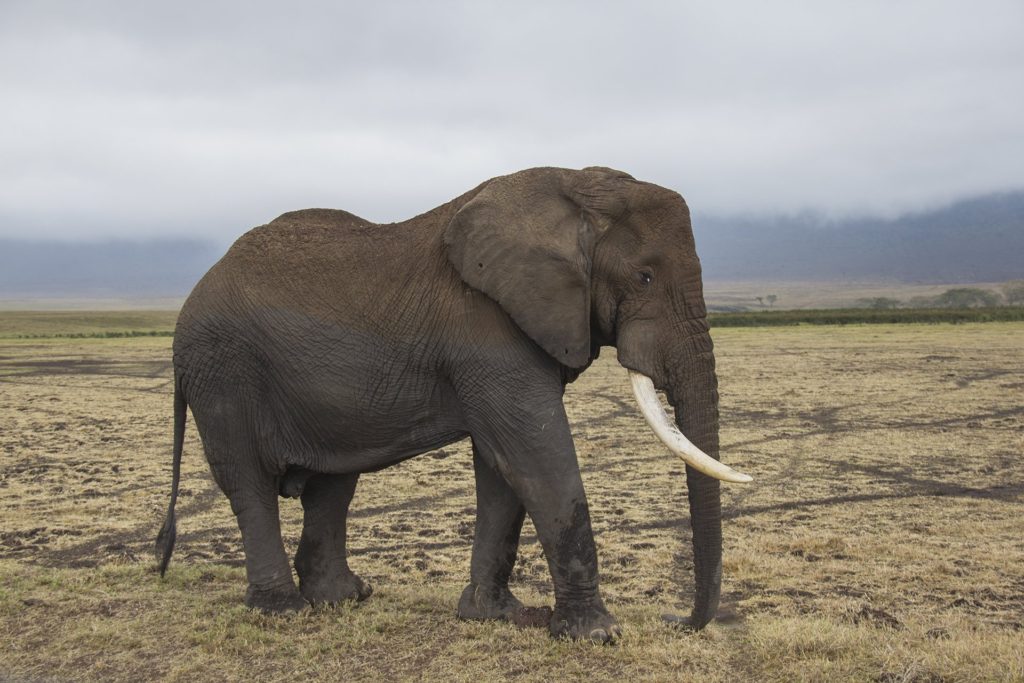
[{"x": 979, "y": 239}]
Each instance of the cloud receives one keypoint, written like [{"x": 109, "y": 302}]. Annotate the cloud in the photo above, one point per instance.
[{"x": 207, "y": 118}]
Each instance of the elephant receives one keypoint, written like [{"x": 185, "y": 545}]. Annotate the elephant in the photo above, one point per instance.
[{"x": 322, "y": 346}]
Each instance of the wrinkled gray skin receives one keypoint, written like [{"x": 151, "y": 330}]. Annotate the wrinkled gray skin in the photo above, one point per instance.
[{"x": 323, "y": 346}]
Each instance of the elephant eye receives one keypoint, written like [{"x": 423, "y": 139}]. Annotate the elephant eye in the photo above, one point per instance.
[{"x": 645, "y": 278}]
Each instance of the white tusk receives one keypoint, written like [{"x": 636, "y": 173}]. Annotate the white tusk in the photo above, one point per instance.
[{"x": 659, "y": 421}]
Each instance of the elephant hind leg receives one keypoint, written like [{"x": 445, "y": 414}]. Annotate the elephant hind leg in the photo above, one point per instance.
[
  {"x": 499, "y": 521},
  {"x": 324, "y": 574},
  {"x": 232, "y": 450},
  {"x": 271, "y": 587}
]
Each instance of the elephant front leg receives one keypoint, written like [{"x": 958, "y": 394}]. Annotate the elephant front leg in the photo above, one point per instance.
[
  {"x": 499, "y": 521},
  {"x": 534, "y": 452},
  {"x": 324, "y": 575},
  {"x": 562, "y": 520}
]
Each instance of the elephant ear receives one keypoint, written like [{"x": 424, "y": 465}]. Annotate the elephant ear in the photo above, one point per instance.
[{"x": 526, "y": 242}]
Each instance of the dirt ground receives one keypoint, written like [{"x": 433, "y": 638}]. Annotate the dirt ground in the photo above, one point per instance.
[{"x": 882, "y": 538}]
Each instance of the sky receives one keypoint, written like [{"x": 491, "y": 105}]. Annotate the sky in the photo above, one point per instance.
[{"x": 202, "y": 119}]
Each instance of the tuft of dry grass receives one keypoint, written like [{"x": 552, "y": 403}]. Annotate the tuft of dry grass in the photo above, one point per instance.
[{"x": 881, "y": 539}]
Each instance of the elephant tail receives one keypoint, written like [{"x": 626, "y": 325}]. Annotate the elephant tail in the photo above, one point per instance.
[{"x": 169, "y": 531}]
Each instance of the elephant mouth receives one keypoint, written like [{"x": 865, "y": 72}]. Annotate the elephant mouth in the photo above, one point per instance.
[{"x": 654, "y": 412}]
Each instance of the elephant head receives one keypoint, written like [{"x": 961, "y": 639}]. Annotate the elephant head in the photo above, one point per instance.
[{"x": 591, "y": 258}]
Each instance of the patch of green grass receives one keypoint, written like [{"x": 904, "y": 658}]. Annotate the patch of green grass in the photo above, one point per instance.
[
  {"x": 99, "y": 335},
  {"x": 86, "y": 324},
  {"x": 854, "y": 316}
]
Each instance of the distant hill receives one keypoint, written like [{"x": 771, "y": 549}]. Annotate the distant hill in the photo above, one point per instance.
[
  {"x": 158, "y": 268},
  {"x": 975, "y": 240}
]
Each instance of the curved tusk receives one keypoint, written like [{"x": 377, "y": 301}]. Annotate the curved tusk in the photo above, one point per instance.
[{"x": 659, "y": 421}]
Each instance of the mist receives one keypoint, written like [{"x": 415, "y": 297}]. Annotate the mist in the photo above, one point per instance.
[{"x": 185, "y": 122}]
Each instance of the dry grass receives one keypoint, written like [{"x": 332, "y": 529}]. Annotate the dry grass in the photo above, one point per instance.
[{"x": 882, "y": 539}]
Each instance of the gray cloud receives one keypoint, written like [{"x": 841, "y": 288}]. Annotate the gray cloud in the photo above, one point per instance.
[{"x": 136, "y": 119}]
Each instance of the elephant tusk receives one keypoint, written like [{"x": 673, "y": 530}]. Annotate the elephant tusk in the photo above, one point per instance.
[{"x": 670, "y": 435}]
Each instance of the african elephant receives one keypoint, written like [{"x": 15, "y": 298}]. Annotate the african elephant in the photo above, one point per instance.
[{"x": 322, "y": 346}]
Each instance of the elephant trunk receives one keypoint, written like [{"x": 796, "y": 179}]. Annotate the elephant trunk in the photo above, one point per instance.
[{"x": 694, "y": 396}]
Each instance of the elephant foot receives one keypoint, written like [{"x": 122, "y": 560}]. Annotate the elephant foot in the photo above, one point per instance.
[
  {"x": 281, "y": 600},
  {"x": 479, "y": 603},
  {"x": 587, "y": 621},
  {"x": 327, "y": 592}
]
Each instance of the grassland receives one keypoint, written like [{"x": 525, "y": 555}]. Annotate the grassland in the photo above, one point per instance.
[
  {"x": 882, "y": 539},
  {"x": 856, "y": 316},
  {"x": 821, "y": 294},
  {"x": 75, "y": 324}
]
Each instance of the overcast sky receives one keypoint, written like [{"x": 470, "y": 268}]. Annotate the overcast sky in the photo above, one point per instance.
[{"x": 203, "y": 119}]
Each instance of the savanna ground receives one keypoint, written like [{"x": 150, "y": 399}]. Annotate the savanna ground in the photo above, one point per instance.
[{"x": 881, "y": 540}]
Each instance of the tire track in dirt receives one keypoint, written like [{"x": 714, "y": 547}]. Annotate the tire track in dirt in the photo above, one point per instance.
[
  {"x": 150, "y": 369},
  {"x": 1013, "y": 493},
  {"x": 91, "y": 553},
  {"x": 51, "y": 385},
  {"x": 832, "y": 428}
]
